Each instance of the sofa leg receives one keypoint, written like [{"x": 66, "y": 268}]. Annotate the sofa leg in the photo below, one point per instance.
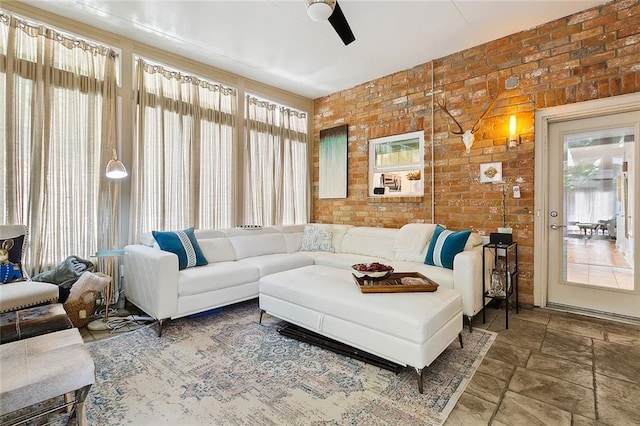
[
  {"x": 419, "y": 372},
  {"x": 160, "y": 325},
  {"x": 261, "y": 313},
  {"x": 460, "y": 339},
  {"x": 470, "y": 318}
]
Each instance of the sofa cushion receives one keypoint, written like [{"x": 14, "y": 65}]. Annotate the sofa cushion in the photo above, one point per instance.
[
  {"x": 292, "y": 235},
  {"x": 317, "y": 238},
  {"x": 257, "y": 243},
  {"x": 272, "y": 263},
  {"x": 369, "y": 241},
  {"x": 412, "y": 240},
  {"x": 183, "y": 244},
  {"x": 338, "y": 232},
  {"x": 444, "y": 246},
  {"x": 216, "y": 276},
  {"x": 473, "y": 241},
  {"x": 217, "y": 249}
]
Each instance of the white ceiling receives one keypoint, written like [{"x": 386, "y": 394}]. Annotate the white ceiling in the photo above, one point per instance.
[{"x": 276, "y": 43}]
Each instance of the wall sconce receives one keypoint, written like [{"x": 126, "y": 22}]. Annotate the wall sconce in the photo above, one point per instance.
[{"x": 514, "y": 140}]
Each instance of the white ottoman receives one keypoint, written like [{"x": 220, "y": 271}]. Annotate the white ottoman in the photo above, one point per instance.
[
  {"x": 410, "y": 329},
  {"x": 43, "y": 367}
]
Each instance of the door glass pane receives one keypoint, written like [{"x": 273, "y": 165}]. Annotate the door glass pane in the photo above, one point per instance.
[{"x": 598, "y": 242}]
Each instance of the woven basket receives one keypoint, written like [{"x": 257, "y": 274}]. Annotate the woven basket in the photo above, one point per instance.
[{"x": 81, "y": 310}]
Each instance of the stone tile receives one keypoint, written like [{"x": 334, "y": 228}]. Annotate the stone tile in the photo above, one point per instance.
[
  {"x": 521, "y": 333},
  {"x": 533, "y": 315},
  {"x": 490, "y": 314},
  {"x": 470, "y": 411},
  {"x": 520, "y": 410},
  {"x": 568, "y": 346},
  {"x": 509, "y": 354},
  {"x": 496, "y": 368},
  {"x": 577, "y": 326},
  {"x": 487, "y": 387},
  {"x": 618, "y": 361},
  {"x": 583, "y": 421},
  {"x": 617, "y": 401},
  {"x": 625, "y": 334},
  {"x": 559, "y": 393},
  {"x": 580, "y": 374}
]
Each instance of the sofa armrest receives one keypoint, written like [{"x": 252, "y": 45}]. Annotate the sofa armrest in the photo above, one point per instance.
[
  {"x": 467, "y": 279},
  {"x": 151, "y": 280}
]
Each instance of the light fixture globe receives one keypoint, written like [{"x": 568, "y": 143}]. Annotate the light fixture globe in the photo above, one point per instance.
[
  {"x": 320, "y": 10},
  {"x": 115, "y": 168}
]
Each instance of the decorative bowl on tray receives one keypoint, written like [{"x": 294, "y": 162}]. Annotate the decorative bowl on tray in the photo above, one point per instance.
[{"x": 373, "y": 270}]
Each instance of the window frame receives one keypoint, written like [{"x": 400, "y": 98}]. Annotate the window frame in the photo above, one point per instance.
[{"x": 400, "y": 170}]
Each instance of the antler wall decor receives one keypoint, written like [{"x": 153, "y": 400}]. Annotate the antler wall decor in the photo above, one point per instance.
[{"x": 467, "y": 135}]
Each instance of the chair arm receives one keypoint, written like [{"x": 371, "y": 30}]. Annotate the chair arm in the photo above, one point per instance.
[{"x": 151, "y": 280}]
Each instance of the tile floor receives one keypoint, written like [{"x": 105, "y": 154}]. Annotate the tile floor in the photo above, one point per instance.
[
  {"x": 552, "y": 368},
  {"x": 597, "y": 262}
]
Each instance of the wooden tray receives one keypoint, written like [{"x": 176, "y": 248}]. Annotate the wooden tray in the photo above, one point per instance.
[{"x": 394, "y": 283}]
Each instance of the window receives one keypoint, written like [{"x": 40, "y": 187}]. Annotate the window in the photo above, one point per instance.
[
  {"x": 276, "y": 176},
  {"x": 396, "y": 165},
  {"x": 183, "y": 153},
  {"x": 58, "y": 126}
]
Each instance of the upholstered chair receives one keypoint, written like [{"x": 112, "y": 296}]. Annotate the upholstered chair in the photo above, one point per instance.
[{"x": 17, "y": 291}]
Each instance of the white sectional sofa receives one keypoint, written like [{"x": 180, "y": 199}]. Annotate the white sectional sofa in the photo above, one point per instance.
[{"x": 238, "y": 258}]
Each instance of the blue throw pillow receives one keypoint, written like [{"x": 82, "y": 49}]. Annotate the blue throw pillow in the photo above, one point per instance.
[
  {"x": 444, "y": 246},
  {"x": 184, "y": 245}
]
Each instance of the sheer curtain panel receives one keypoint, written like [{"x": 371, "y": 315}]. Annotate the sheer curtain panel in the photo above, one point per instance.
[
  {"x": 183, "y": 152},
  {"x": 276, "y": 174},
  {"x": 58, "y": 129}
]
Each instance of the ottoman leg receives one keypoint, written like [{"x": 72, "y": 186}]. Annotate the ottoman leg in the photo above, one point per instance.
[
  {"x": 419, "y": 372},
  {"x": 81, "y": 410}
]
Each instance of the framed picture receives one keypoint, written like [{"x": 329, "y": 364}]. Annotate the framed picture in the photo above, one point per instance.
[
  {"x": 333, "y": 162},
  {"x": 491, "y": 172}
]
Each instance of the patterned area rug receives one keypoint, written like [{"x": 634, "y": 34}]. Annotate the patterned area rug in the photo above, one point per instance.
[{"x": 227, "y": 369}]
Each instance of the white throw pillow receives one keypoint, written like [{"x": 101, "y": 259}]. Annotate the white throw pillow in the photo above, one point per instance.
[{"x": 317, "y": 238}]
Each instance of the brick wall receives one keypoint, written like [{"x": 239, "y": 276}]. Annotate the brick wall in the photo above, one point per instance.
[{"x": 590, "y": 55}]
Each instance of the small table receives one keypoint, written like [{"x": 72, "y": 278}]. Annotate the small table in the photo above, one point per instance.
[{"x": 30, "y": 322}]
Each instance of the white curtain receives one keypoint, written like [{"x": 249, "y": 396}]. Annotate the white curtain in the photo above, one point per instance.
[
  {"x": 58, "y": 129},
  {"x": 591, "y": 201},
  {"x": 182, "y": 171},
  {"x": 275, "y": 165}
]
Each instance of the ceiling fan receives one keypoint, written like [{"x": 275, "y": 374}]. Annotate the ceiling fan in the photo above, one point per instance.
[{"x": 321, "y": 10}]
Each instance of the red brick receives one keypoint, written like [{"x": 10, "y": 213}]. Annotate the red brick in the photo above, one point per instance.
[{"x": 594, "y": 56}]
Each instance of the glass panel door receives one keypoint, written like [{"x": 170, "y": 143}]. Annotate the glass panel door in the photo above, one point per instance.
[{"x": 591, "y": 234}]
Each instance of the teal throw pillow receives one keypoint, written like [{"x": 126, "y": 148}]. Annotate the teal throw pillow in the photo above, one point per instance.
[
  {"x": 444, "y": 246},
  {"x": 184, "y": 245}
]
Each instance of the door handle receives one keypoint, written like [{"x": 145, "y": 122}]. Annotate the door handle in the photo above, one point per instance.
[{"x": 554, "y": 226}]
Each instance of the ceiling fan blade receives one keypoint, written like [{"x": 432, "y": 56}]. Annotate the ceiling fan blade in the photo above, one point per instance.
[{"x": 340, "y": 24}]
